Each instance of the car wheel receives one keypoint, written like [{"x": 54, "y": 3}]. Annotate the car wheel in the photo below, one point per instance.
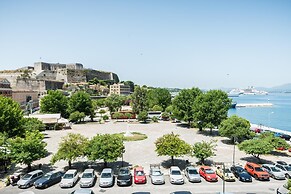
[
  {"x": 287, "y": 176},
  {"x": 256, "y": 177}
]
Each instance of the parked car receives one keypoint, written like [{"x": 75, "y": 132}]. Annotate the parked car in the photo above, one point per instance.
[
  {"x": 82, "y": 191},
  {"x": 241, "y": 174},
  {"x": 139, "y": 175},
  {"x": 28, "y": 179},
  {"x": 274, "y": 172},
  {"x": 281, "y": 162},
  {"x": 256, "y": 171},
  {"x": 157, "y": 177},
  {"x": 49, "y": 179},
  {"x": 225, "y": 174},
  {"x": 176, "y": 176},
  {"x": 208, "y": 174},
  {"x": 283, "y": 189},
  {"x": 192, "y": 174},
  {"x": 124, "y": 177},
  {"x": 285, "y": 168},
  {"x": 106, "y": 178},
  {"x": 88, "y": 178},
  {"x": 69, "y": 179}
]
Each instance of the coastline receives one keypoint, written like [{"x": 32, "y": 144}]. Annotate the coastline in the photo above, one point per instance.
[{"x": 264, "y": 128}]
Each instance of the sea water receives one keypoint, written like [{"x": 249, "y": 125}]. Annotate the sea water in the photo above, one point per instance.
[{"x": 277, "y": 116}]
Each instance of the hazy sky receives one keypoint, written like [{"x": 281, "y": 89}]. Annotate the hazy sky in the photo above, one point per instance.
[{"x": 170, "y": 43}]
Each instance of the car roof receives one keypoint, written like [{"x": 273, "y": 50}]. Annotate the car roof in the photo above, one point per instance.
[
  {"x": 71, "y": 171},
  {"x": 35, "y": 171},
  {"x": 191, "y": 167},
  {"x": 83, "y": 191},
  {"x": 88, "y": 170},
  {"x": 253, "y": 164},
  {"x": 139, "y": 168},
  {"x": 175, "y": 168},
  {"x": 270, "y": 165},
  {"x": 206, "y": 167},
  {"x": 106, "y": 170}
]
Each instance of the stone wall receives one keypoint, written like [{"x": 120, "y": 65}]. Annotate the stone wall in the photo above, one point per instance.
[
  {"x": 101, "y": 75},
  {"x": 41, "y": 86},
  {"x": 46, "y": 75},
  {"x": 76, "y": 76}
]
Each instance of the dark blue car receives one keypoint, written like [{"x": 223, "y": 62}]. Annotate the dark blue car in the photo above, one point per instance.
[
  {"x": 240, "y": 173},
  {"x": 49, "y": 179}
]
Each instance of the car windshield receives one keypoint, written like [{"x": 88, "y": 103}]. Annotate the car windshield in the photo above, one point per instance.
[
  {"x": 87, "y": 175},
  {"x": 227, "y": 171},
  {"x": 139, "y": 173},
  {"x": 106, "y": 175},
  {"x": 157, "y": 173},
  {"x": 274, "y": 169},
  {"x": 239, "y": 169},
  {"x": 176, "y": 172},
  {"x": 209, "y": 171},
  {"x": 258, "y": 169},
  {"x": 26, "y": 177},
  {"x": 68, "y": 176},
  {"x": 47, "y": 176},
  {"x": 193, "y": 171},
  {"x": 123, "y": 172}
]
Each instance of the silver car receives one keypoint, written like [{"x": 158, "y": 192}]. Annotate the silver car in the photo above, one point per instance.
[
  {"x": 176, "y": 176},
  {"x": 192, "y": 174},
  {"x": 274, "y": 172},
  {"x": 283, "y": 189},
  {"x": 69, "y": 179},
  {"x": 82, "y": 191},
  {"x": 156, "y": 175},
  {"x": 88, "y": 178},
  {"x": 285, "y": 168},
  {"x": 106, "y": 178},
  {"x": 28, "y": 179}
]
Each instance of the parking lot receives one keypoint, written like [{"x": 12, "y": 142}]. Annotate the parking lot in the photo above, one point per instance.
[{"x": 143, "y": 153}]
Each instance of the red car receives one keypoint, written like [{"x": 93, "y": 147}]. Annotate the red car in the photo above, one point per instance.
[
  {"x": 139, "y": 175},
  {"x": 208, "y": 174}
]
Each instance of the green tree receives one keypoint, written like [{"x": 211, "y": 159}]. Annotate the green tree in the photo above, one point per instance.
[
  {"x": 143, "y": 116},
  {"x": 107, "y": 147},
  {"x": 235, "y": 127},
  {"x": 81, "y": 101},
  {"x": 117, "y": 115},
  {"x": 30, "y": 124},
  {"x": 183, "y": 104},
  {"x": 256, "y": 147},
  {"x": 169, "y": 109},
  {"x": 54, "y": 102},
  {"x": 99, "y": 103},
  {"x": 10, "y": 117},
  {"x": 114, "y": 102},
  {"x": 139, "y": 100},
  {"x": 171, "y": 145},
  {"x": 276, "y": 142},
  {"x": 157, "y": 108},
  {"x": 130, "y": 84},
  {"x": 28, "y": 149},
  {"x": 211, "y": 108},
  {"x": 70, "y": 148},
  {"x": 77, "y": 116},
  {"x": 203, "y": 150},
  {"x": 160, "y": 97}
]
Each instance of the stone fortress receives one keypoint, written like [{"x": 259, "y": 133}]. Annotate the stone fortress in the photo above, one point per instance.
[{"x": 51, "y": 76}]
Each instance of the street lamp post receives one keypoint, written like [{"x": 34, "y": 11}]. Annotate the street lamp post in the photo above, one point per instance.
[{"x": 233, "y": 155}]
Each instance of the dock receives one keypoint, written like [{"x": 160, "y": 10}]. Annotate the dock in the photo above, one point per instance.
[
  {"x": 241, "y": 105},
  {"x": 266, "y": 128}
]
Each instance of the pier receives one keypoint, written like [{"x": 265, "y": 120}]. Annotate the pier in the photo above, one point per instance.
[
  {"x": 266, "y": 128},
  {"x": 240, "y": 105}
]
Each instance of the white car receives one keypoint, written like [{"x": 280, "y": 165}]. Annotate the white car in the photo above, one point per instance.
[
  {"x": 274, "y": 172},
  {"x": 88, "y": 178},
  {"x": 176, "y": 176},
  {"x": 283, "y": 189},
  {"x": 106, "y": 178},
  {"x": 69, "y": 179},
  {"x": 285, "y": 168}
]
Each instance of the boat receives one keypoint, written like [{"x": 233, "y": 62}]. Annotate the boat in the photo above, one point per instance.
[
  {"x": 252, "y": 91},
  {"x": 233, "y": 105},
  {"x": 235, "y": 93}
]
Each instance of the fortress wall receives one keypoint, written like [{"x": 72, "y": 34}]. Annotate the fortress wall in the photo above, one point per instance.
[
  {"x": 76, "y": 76},
  {"x": 101, "y": 75},
  {"x": 74, "y": 66},
  {"x": 11, "y": 77},
  {"x": 47, "y": 75},
  {"x": 38, "y": 85}
]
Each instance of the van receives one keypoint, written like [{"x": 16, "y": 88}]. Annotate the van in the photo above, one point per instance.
[{"x": 28, "y": 179}]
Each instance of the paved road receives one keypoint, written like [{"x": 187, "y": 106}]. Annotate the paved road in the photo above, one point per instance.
[{"x": 256, "y": 187}]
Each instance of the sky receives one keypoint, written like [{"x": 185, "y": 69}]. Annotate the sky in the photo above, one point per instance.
[{"x": 186, "y": 43}]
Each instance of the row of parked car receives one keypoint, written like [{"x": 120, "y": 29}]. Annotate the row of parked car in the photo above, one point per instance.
[{"x": 279, "y": 170}]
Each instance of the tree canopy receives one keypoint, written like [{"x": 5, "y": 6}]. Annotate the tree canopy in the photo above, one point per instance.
[
  {"x": 54, "y": 102},
  {"x": 171, "y": 145},
  {"x": 139, "y": 100},
  {"x": 235, "y": 127},
  {"x": 211, "y": 108},
  {"x": 114, "y": 102},
  {"x": 11, "y": 117},
  {"x": 28, "y": 149},
  {"x": 203, "y": 150},
  {"x": 81, "y": 101},
  {"x": 31, "y": 124},
  {"x": 107, "y": 147},
  {"x": 159, "y": 97},
  {"x": 183, "y": 104},
  {"x": 70, "y": 148}
]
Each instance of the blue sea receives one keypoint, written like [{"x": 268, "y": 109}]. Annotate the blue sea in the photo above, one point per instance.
[{"x": 277, "y": 116}]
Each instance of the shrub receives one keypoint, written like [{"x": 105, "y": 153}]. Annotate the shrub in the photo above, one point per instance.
[
  {"x": 105, "y": 117},
  {"x": 157, "y": 108},
  {"x": 155, "y": 119}
]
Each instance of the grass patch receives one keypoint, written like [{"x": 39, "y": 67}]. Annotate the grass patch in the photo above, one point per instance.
[{"x": 136, "y": 136}]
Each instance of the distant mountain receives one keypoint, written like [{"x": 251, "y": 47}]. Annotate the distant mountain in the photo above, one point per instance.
[{"x": 281, "y": 88}]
